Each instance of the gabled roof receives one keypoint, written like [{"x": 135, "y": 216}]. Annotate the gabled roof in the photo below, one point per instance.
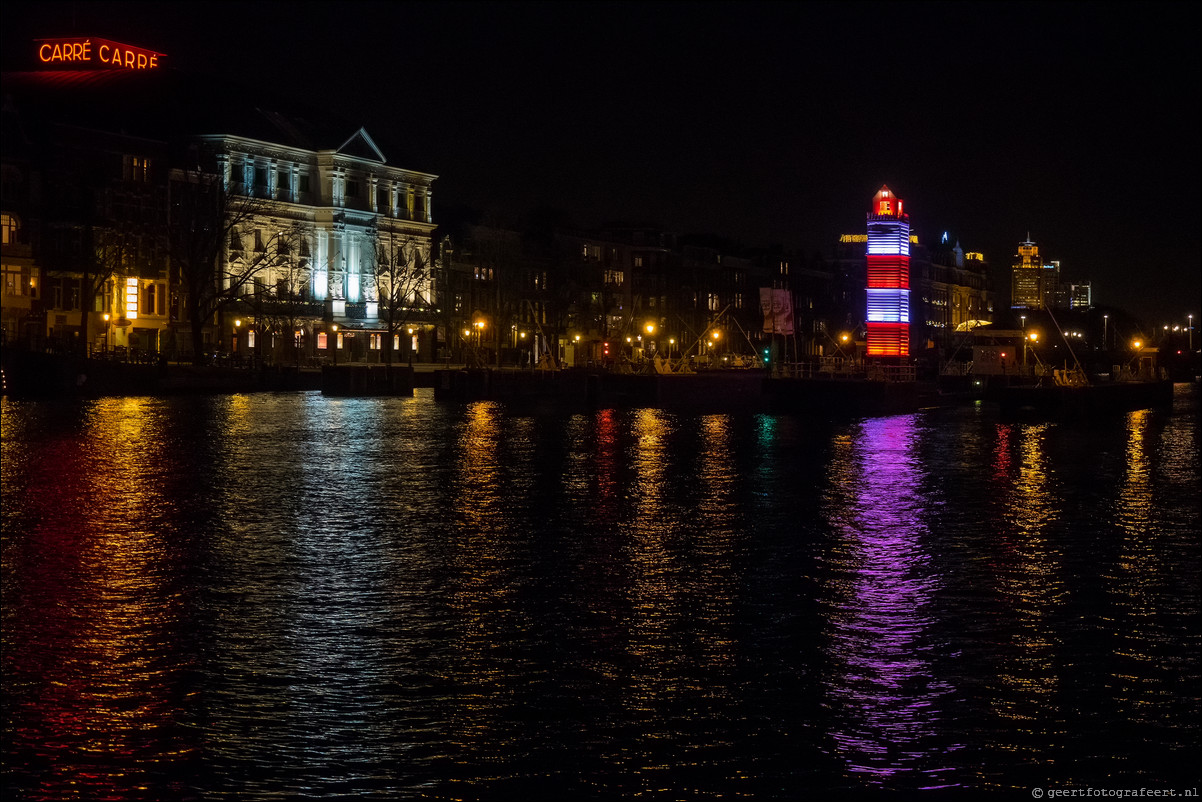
[{"x": 361, "y": 146}]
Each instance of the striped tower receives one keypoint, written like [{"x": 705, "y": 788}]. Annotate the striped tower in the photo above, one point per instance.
[{"x": 888, "y": 276}]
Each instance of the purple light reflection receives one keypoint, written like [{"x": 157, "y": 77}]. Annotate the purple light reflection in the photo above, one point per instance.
[{"x": 879, "y": 582}]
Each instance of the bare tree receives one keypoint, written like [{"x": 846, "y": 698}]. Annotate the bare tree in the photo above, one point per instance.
[
  {"x": 403, "y": 285},
  {"x": 284, "y": 305},
  {"x": 221, "y": 242}
]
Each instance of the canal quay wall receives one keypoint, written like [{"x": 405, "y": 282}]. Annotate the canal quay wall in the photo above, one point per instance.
[
  {"x": 35, "y": 375},
  {"x": 717, "y": 391}
]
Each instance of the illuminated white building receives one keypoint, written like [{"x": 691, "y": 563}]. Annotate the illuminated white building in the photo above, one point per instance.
[{"x": 345, "y": 215}]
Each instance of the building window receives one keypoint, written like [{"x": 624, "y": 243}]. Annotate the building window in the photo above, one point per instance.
[
  {"x": 260, "y": 179},
  {"x": 137, "y": 168},
  {"x": 374, "y": 341},
  {"x": 8, "y": 225},
  {"x": 148, "y": 294},
  {"x": 13, "y": 283},
  {"x": 638, "y": 261},
  {"x": 322, "y": 340},
  {"x": 616, "y": 277},
  {"x": 303, "y": 181},
  {"x": 352, "y": 189},
  {"x": 250, "y": 338}
]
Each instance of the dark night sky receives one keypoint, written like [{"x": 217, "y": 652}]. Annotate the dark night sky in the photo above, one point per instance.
[{"x": 769, "y": 123}]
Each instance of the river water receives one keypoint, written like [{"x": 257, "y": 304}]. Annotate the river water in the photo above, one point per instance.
[{"x": 283, "y": 596}]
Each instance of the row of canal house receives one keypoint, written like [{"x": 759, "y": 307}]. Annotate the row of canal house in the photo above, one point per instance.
[
  {"x": 324, "y": 249},
  {"x": 624, "y": 293},
  {"x": 148, "y": 214}
]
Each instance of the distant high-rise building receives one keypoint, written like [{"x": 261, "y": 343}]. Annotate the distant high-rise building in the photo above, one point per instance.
[
  {"x": 1033, "y": 285},
  {"x": 1080, "y": 296},
  {"x": 888, "y": 276}
]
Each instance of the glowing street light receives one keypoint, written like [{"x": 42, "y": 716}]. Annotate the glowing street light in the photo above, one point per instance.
[{"x": 334, "y": 327}]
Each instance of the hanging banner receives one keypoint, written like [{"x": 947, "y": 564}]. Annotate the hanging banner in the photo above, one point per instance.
[{"x": 777, "y": 307}]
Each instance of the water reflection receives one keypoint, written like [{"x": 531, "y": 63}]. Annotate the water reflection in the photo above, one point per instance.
[
  {"x": 281, "y": 596},
  {"x": 885, "y": 701},
  {"x": 482, "y": 598},
  {"x": 1027, "y": 570},
  {"x": 92, "y": 625},
  {"x": 1149, "y": 600}
]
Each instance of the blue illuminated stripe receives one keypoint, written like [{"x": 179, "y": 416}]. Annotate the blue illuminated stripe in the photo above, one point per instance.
[{"x": 888, "y": 306}]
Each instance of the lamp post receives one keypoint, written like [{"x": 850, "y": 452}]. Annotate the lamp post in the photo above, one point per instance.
[
  {"x": 410, "y": 346},
  {"x": 1105, "y": 327},
  {"x": 107, "y": 326},
  {"x": 237, "y": 330},
  {"x": 335, "y": 333},
  {"x": 1191, "y": 333}
]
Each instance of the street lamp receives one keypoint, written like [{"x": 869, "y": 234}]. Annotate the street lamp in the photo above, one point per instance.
[
  {"x": 410, "y": 346},
  {"x": 1033, "y": 337},
  {"x": 1105, "y": 341},
  {"x": 335, "y": 329},
  {"x": 1191, "y": 333}
]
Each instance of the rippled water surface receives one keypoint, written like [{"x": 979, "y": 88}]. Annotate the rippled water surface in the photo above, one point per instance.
[{"x": 290, "y": 596}]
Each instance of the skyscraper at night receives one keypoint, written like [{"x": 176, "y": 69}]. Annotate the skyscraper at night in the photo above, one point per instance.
[
  {"x": 1033, "y": 284},
  {"x": 888, "y": 276}
]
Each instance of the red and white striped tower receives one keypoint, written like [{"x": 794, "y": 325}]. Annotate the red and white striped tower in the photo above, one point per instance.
[{"x": 888, "y": 277}]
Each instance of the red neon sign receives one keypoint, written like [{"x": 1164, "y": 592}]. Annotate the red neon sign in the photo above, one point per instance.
[{"x": 89, "y": 53}]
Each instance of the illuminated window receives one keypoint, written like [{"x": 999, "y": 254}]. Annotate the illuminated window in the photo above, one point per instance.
[
  {"x": 137, "y": 168},
  {"x": 396, "y": 342},
  {"x": 638, "y": 261},
  {"x": 322, "y": 340},
  {"x": 374, "y": 341},
  {"x": 250, "y": 338},
  {"x": 131, "y": 298},
  {"x": 339, "y": 341},
  {"x": 8, "y": 226}
]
